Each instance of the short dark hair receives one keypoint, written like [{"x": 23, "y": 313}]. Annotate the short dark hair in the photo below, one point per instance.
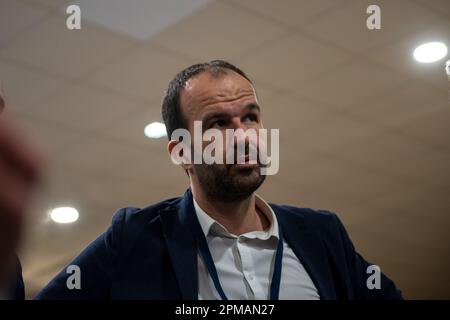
[{"x": 171, "y": 107}]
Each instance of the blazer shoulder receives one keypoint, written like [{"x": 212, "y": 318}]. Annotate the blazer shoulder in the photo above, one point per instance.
[
  {"x": 131, "y": 219},
  {"x": 128, "y": 224},
  {"x": 309, "y": 215}
]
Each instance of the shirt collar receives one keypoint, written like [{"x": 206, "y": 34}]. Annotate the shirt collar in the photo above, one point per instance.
[{"x": 211, "y": 227}]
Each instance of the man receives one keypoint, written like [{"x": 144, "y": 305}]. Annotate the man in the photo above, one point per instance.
[
  {"x": 19, "y": 170},
  {"x": 220, "y": 240}
]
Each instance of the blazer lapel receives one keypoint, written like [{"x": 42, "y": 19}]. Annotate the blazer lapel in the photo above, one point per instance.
[
  {"x": 181, "y": 245},
  {"x": 308, "y": 247}
]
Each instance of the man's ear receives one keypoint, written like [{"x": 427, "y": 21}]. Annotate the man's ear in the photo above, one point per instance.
[{"x": 179, "y": 154}]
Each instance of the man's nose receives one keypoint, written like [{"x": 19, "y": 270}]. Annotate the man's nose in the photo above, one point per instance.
[{"x": 236, "y": 124}]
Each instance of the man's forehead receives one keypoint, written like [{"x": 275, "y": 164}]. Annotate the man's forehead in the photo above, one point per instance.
[{"x": 207, "y": 89}]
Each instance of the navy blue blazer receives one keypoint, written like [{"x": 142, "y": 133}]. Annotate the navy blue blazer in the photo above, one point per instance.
[{"x": 150, "y": 253}]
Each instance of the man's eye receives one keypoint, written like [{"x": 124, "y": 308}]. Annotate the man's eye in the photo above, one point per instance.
[
  {"x": 218, "y": 123},
  {"x": 251, "y": 118}
]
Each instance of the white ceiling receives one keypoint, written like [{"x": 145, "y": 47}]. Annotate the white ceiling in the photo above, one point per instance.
[
  {"x": 364, "y": 129},
  {"x": 139, "y": 19}
]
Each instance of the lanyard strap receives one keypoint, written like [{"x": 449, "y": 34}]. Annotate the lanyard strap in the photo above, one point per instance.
[{"x": 207, "y": 258}]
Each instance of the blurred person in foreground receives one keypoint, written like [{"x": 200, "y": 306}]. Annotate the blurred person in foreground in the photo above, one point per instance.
[
  {"x": 220, "y": 240},
  {"x": 20, "y": 165}
]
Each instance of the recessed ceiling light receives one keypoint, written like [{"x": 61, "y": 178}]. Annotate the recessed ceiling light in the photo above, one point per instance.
[
  {"x": 155, "y": 130},
  {"x": 64, "y": 215},
  {"x": 430, "y": 52}
]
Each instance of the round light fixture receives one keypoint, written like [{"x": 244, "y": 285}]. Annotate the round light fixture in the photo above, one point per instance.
[
  {"x": 64, "y": 215},
  {"x": 155, "y": 130},
  {"x": 430, "y": 52}
]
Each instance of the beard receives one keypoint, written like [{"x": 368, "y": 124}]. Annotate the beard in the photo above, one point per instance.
[{"x": 229, "y": 183}]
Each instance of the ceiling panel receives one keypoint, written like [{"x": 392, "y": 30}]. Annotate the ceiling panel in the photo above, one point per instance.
[
  {"x": 402, "y": 158},
  {"x": 439, "y": 6},
  {"x": 130, "y": 128},
  {"x": 409, "y": 102},
  {"x": 144, "y": 72},
  {"x": 290, "y": 12},
  {"x": 333, "y": 132},
  {"x": 50, "y": 4},
  {"x": 198, "y": 38},
  {"x": 428, "y": 169},
  {"x": 17, "y": 17},
  {"x": 51, "y": 137},
  {"x": 347, "y": 27},
  {"x": 16, "y": 80},
  {"x": 71, "y": 53},
  {"x": 291, "y": 59},
  {"x": 139, "y": 19},
  {"x": 98, "y": 153},
  {"x": 275, "y": 115},
  {"x": 351, "y": 85},
  {"x": 432, "y": 128},
  {"x": 86, "y": 108}
]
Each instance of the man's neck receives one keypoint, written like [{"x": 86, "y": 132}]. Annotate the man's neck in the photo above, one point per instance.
[{"x": 237, "y": 217}]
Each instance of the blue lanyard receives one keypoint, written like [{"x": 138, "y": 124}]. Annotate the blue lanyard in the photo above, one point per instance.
[{"x": 207, "y": 258}]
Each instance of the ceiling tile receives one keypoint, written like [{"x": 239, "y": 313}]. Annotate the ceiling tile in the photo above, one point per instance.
[
  {"x": 70, "y": 53},
  {"x": 197, "y": 37},
  {"x": 432, "y": 128},
  {"x": 265, "y": 93},
  {"x": 144, "y": 73},
  {"x": 306, "y": 168},
  {"x": 359, "y": 186},
  {"x": 290, "y": 60},
  {"x": 428, "y": 169},
  {"x": 440, "y": 6},
  {"x": 139, "y": 19},
  {"x": 291, "y": 115},
  {"x": 414, "y": 203},
  {"x": 16, "y": 17},
  {"x": 332, "y": 132},
  {"x": 23, "y": 88},
  {"x": 51, "y": 138},
  {"x": 386, "y": 152},
  {"x": 51, "y": 4},
  {"x": 156, "y": 171},
  {"x": 86, "y": 108},
  {"x": 411, "y": 102},
  {"x": 290, "y": 12},
  {"x": 99, "y": 154},
  {"x": 130, "y": 128},
  {"x": 351, "y": 85},
  {"x": 347, "y": 27}
]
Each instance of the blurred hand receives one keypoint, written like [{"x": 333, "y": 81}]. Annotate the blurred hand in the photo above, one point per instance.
[{"x": 19, "y": 172}]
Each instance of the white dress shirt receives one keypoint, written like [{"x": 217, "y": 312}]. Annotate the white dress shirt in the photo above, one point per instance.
[{"x": 245, "y": 263}]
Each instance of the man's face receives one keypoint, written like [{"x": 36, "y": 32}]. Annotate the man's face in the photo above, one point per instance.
[{"x": 225, "y": 101}]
